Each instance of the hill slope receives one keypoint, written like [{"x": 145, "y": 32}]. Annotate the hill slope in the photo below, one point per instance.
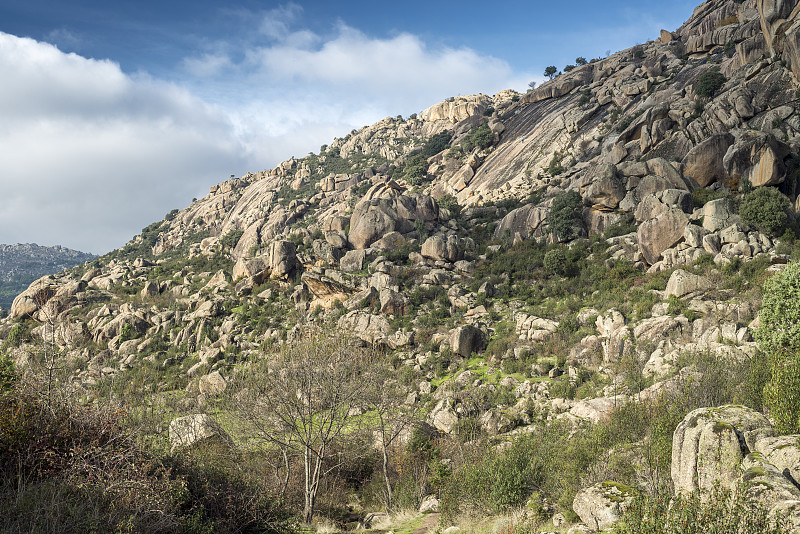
[
  {"x": 530, "y": 263},
  {"x": 21, "y": 264}
]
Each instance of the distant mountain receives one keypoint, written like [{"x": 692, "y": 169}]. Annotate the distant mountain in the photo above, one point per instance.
[{"x": 21, "y": 264}]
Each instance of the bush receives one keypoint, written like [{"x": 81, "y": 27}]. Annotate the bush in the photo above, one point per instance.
[
  {"x": 767, "y": 208},
  {"x": 709, "y": 82},
  {"x": 555, "y": 261},
  {"x": 565, "y": 215},
  {"x": 724, "y": 511},
  {"x": 481, "y": 137},
  {"x": 779, "y": 337}
]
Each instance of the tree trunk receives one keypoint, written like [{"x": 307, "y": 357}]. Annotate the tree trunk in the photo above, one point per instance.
[{"x": 386, "y": 479}]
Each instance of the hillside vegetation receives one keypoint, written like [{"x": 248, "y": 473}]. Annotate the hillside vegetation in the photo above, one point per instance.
[{"x": 568, "y": 310}]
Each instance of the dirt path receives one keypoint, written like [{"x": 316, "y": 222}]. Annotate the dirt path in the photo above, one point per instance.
[{"x": 428, "y": 524}]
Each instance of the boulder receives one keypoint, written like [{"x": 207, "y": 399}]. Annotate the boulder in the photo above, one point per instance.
[
  {"x": 443, "y": 417},
  {"x": 718, "y": 214},
  {"x": 601, "y": 505},
  {"x": 441, "y": 248},
  {"x": 282, "y": 258},
  {"x": 430, "y": 504},
  {"x": 683, "y": 284},
  {"x": 365, "y": 326},
  {"x": 708, "y": 446},
  {"x": 373, "y": 218},
  {"x": 784, "y": 453},
  {"x": 758, "y": 157},
  {"x": 703, "y": 163},
  {"x": 352, "y": 261},
  {"x": 464, "y": 340},
  {"x": 658, "y": 234},
  {"x": 603, "y": 189},
  {"x": 192, "y": 429},
  {"x": 29, "y": 301},
  {"x": 212, "y": 384}
]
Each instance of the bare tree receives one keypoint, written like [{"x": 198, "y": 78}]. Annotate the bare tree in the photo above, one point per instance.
[
  {"x": 393, "y": 418},
  {"x": 305, "y": 398}
]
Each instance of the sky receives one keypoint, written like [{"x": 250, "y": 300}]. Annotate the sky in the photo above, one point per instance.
[{"x": 114, "y": 113}]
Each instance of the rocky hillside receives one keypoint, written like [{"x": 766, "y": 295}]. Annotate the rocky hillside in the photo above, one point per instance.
[
  {"x": 22, "y": 264},
  {"x": 526, "y": 261}
]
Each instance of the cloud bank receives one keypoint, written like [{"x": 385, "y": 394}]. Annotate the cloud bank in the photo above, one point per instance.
[{"x": 91, "y": 154}]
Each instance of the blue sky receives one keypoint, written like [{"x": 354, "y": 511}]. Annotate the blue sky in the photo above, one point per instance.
[{"x": 116, "y": 112}]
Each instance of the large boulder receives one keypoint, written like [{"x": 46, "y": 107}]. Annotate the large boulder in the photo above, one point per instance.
[
  {"x": 443, "y": 248},
  {"x": 465, "y": 340},
  {"x": 682, "y": 284},
  {"x": 718, "y": 214},
  {"x": 192, "y": 429},
  {"x": 703, "y": 163},
  {"x": 29, "y": 301},
  {"x": 660, "y": 233},
  {"x": 282, "y": 258},
  {"x": 376, "y": 217},
  {"x": 758, "y": 157},
  {"x": 602, "y": 188},
  {"x": 601, "y": 505},
  {"x": 708, "y": 446}
]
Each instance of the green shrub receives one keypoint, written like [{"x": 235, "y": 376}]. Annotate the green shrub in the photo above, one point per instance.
[
  {"x": 723, "y": 511},
  {"x": 481, "y": 137},
  {"x": 555, "y": 261},
  {"x": 779, "y": 337},
  {"x": 767, "y": 208},
  {"x": 709, "y": 82},
  {"x": 565, "y": 215}
]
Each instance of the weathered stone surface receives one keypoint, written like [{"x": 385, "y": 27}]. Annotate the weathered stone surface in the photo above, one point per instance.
[
  {"x": 212, "y": 384},
  {"x": 602, "y": 505},
  {"x": 443, "y": 417},
  {"x": 464, "y": 340},
  {"x": 602, "y": 188},
  {"x": 443, "y": 248},
  {"x": 756, "y": 156},
  {"x": 282, "y": 258},
  {"x": 368, "y": 327},
  {"x": 703, "y": 163},
  {"x": 352, "y": 261},
  {"x": 684, "y": 284},
  {"x": 706, "y": 447},
  {"x": 658, "y": 234},
  {"x": 373, "y": 218},
  {"x": 192, "y": 429},
  {"x": 718, "y": 214}
]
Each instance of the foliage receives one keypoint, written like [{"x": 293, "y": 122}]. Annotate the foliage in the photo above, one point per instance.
[
  {"x": 229, "y": 240},
  {"x": 767, "y": 208},
  {"x": 555, "y": 261},
  {"x": 437, "y": 143},
  {"x": 66, "y": 468},
  {"x": 480, "y": 137},
  {"x": 778, "y": 336},
  {"x": 709, "y": 82},
  {"x": 550, "y": 71},
  {"x": 450, "y": 203},
  {"x": 723, "y": 511},
  {"x": 302, "y": 399},
  {"x": 565, "y": 214}
]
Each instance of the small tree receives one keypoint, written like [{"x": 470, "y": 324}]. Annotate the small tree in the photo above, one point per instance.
[
  {"x": 767, "y": 208},
  {"x": 393, "y": 419},
  {"x": 709, "y": 82},
  {"x": 302, "y": 400},
  {"x": 580, "y": 61},
  {"x": 551, "y": 71},
  {"x": 565, "y": 215},
  {"x": 532, "y": 85}
]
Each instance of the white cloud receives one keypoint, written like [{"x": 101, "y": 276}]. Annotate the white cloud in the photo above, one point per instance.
[{"x": 91, "y": 154}]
